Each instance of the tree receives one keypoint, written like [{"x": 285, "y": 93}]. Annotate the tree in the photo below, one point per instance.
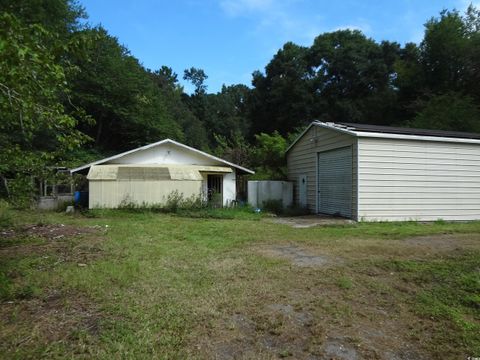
[
  {"x": 60, "y": 17},
  {"x": 445, "y": 64},
  {"x": 35, "y": 131},
  {"x": 269, "y": 156},
  {"x": 352, "y": 77},
  {"x": 451, "y": 111},
  {"x": 127, "y": 102},
  {"x": 197, "y": 77},
  {"x": 282, "y": 98}
]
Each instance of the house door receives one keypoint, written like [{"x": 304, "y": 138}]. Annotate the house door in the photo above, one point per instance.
[
  {"x": 302, "y": 191},
  {"x": 215, "y": 187}
]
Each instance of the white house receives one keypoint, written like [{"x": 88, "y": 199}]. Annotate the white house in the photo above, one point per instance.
[
  {"x": 367, "y": 172},
  {"x": 149, "y": 174}
]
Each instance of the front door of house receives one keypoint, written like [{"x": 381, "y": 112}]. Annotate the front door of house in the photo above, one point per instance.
[{"x": 215, "y": 189}]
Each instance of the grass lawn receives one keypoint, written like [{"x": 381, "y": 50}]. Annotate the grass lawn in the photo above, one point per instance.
[{"x": 146, "y": 285}]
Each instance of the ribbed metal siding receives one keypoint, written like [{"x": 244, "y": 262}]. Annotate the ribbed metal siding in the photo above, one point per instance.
[{"x": 335, "y": 182}]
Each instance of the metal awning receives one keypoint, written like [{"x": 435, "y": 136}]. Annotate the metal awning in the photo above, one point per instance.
[{"x": 153, "y": 172}]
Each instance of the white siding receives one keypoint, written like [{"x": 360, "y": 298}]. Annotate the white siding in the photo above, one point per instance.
[
  {"x": 418, "y": 180},
  {"x": 302, "y": 160}
]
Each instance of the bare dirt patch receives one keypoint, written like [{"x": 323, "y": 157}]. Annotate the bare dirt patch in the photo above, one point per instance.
[
  {"x": 312, "y": 329},
  {"x": 226, "y": 264},
  {"x": 55, "y": 317},
  {"x": 444, "y": 242},
  {"x": 308, "y": 221},
  {"x": 48, "y": 231},
  {"x": 297, "y": 255},
  {"x": 64, "y": 243}
]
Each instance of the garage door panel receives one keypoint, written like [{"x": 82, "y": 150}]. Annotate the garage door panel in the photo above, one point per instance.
[{"x": 335, "y": 182}]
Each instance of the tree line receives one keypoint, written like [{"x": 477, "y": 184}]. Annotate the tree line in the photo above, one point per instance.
[{"x": 71, "y": 92}]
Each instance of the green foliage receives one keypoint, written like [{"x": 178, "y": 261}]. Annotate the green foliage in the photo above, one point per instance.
[
  {"x": 352, "y": 77},
  {"x": 287, "y": 77},
  {"x": 236, "y": 150},
  {"x": 273, "y": 206},
  {"x": 197, "y": 77},
  {"x": 295, "y": 210},
  {"x": 127, "y": 102},
  {"x": 442, "y": 68},
  {"x": 240, "y": 213},
  {"x": 174, "y": 202},
  {"x": 344, "y": 283},
  {"x": 450, "y": 111},
  {"x": 6, "y": 215},
  {"x": 35, "y": 129},
  {"x": 269, "y": 157}
]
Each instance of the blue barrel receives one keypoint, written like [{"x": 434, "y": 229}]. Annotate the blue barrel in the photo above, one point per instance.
[
  {"x": 80, "y": 199},
  {"x": 76, "y": 198}
]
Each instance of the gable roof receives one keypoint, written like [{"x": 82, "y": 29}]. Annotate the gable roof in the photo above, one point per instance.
[
  {"x": 390, "y": 132},
  {"x": 166, "y": 141}
]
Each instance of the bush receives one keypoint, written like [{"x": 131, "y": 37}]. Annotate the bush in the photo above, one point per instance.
[
  {"x": 295, "y": 210},
  {"x": 6, "y": 216},
  {"x": 273, "y": 206},
  {"x": 173, "y": 203},
  {"x": 21, "y": 192}
]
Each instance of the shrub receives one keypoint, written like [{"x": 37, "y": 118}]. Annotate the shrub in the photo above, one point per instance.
[
  {"x": 295, "y": 210},
  {"x": 6, "y": 216},
  {"x": 21, "y": 192},
  {"x": 173, "y": 203},
  {"x": 273, "y": 206}
]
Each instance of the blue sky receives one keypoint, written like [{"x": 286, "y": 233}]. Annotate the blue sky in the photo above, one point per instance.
[{"x": 230, "y": 39}]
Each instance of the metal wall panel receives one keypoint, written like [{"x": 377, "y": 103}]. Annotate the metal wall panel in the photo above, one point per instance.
[
  {"x": 302, "y": 160},
  {"x": 418, "y": 180}
]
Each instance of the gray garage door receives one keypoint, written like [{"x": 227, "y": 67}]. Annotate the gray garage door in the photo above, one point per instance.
[{"x": 335, "y": 182}]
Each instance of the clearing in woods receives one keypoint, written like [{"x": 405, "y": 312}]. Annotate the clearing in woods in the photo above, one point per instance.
[{"x": 146, "y": 285}]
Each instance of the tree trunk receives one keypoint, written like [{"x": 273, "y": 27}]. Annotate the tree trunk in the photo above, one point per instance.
[{"x": 99, "y": 131}]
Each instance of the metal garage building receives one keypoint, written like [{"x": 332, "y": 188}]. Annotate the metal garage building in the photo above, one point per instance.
[{"x": 375, "y": 173}]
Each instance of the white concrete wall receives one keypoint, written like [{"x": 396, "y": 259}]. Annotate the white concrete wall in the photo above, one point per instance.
[
  {"x": 229, "y": 188},
  {"x": 418, "y": 180},
  {"x": 260, "y": 191},
  {"x": 54, "y": 202}
]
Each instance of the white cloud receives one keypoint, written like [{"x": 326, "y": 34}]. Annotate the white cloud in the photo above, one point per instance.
[
  {"x": 464, "y": 4},
  {"x": 277, "y": 17},
  {"x": 242, "y": 7}
]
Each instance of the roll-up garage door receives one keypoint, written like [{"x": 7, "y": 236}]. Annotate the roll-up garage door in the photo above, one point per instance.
[{"x": 335, "y": 182}]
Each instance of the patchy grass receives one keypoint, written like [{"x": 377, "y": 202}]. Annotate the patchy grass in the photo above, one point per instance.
[
  {"x": 448, "y": 291},
  {"x": 148, "y": 285}
]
